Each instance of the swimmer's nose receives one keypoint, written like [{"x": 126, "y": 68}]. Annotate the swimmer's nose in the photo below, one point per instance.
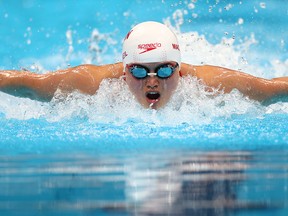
[{"x": 152, "y": 82}]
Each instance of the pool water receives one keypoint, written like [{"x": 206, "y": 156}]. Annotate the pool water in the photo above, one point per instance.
[{"x": 106, "y": 155}]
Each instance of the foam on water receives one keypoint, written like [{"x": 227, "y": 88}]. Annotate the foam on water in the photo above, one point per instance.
[
  {"x": 115, "y": 104},
  {"x": 190, "y": 104}
]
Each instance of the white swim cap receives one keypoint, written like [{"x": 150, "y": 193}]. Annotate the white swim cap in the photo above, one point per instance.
[{"x": 150, "y": 42}]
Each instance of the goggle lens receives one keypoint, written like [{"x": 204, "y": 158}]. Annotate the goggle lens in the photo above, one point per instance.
[
  {"x": 138, "y": 72},
  {"x": 163, "y": 71}
]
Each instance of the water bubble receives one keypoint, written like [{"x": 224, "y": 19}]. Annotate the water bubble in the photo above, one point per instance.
[
  {"x": 240, "y": 21},
  {"x": 210, "y": 9},
  {"x": 27, "y": 35},
  {"x": 228, "y": 7},
  {"x": 126, "y": 13},
  {"x": 282, "y": 43},
  {"x": 70, "y": 45},
  {"x": 191, "y": 6},
  {"x": 244, "y": 61},
  {"x": 194, "y": 15},
  {"x": 262, "y": 5},
  {"x": 178, "y": 17}
]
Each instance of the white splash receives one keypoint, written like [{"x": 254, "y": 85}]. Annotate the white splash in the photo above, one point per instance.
[
  {"x": 190, "y": 104},
  {"x": 115, "y": 104}
]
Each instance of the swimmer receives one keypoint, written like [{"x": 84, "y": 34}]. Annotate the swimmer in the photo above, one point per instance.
[{"x": 151, "y": 65}]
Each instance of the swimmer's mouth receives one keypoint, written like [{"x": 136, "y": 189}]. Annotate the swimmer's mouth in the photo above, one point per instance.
[{"x": 153, "y": 96}]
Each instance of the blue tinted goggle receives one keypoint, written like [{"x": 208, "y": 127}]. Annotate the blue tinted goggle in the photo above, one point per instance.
[{"x": 163, "y": 71}]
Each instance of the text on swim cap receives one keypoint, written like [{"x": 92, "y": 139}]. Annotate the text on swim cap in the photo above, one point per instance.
[
  {"x": 124, "y": 55},
  {"x": 176, "y": 46},
  {"x": 148, "y": 47}
]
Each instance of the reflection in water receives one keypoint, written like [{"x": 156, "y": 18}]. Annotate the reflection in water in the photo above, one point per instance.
[{"x": 164, "y": 183}]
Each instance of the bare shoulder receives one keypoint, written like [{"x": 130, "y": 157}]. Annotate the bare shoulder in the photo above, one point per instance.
[
  {"x": 205, "y": 71},
  {"x": 103, "y": 71},
  {"x": 88, "y": 77},
  {"x": 213, "y": 75}
]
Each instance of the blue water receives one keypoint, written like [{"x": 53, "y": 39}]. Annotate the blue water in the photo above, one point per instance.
[{"x": 104, "y": 154}]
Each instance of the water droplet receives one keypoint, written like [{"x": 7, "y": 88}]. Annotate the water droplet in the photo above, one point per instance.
[
  {"x": 191, "y": 6},
  {"x": 263, "y": 5},
  {"x": 240, "y": 21}
]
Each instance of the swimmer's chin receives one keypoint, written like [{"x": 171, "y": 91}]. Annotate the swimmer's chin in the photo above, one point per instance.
[
  {"x": 152, "y": 105},
  {"x": 153, "y": 100}
]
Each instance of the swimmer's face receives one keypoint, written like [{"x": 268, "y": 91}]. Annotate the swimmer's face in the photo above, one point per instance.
[{"x": 152, "y": 91}]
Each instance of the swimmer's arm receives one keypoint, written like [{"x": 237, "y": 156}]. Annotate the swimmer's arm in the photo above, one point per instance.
[
  {"x": 224, "y": 79},
  {"x": 84, "y": 78}
]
